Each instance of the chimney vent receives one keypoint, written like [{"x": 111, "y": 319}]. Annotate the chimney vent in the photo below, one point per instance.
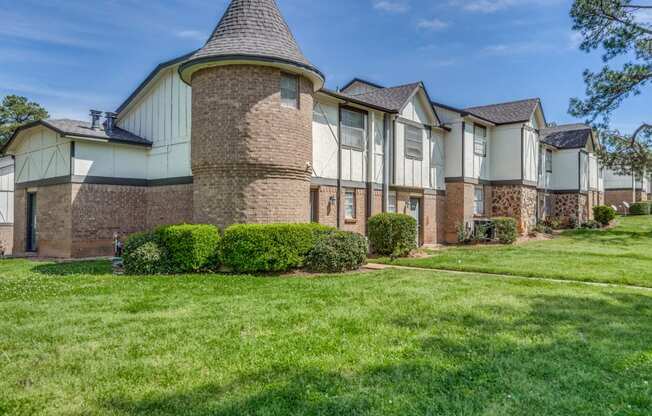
[
  {"x": 110, "y": 121},
  {"x": 95, "y": 119}
]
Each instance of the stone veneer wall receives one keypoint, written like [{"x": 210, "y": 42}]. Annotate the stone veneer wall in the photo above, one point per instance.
[
  {"x": 6, "y": 239},
  {"x": 515, "y": 201},
  {"x": 573, "y": 205},
  {"x": 250, "y": 155}
]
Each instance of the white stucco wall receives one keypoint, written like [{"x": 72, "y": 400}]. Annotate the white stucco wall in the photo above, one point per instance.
[
  {"x": 110, "y": 160},
  {"x": 531, "y": 153},
  {"x": 565, "y": 164},
  {"x": 506, "y": 151},
  {"x": 40, "y": 154},
  {"x": 162, "y": 114},
  {"x": 6, "y": 190}
]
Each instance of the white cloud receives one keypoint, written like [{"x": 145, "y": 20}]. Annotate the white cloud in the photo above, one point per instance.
[
  {"x": 392, "y": 6},
  {"x": 491, "y": 6},
  {"x": 432, "y": 24},
  {"x": 192, "y": 35},
  {"x": 575, "y": 39},
  {"x": 644, "y": 16},
  {"x": 519, "y": 48}
]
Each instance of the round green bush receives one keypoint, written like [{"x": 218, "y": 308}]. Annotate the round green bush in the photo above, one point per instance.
[
  {"x": 337, "y": 252},
  {"x": 253, "y": 248},
  {"x": 189, "y": 248},
  {"x": 604, "y": 214},
  {"x": 392, "y": 234},
  {"x": 143, "y": 255},
  {"x": 506, "y": 230},
  {"x": 639, "y": 208}
]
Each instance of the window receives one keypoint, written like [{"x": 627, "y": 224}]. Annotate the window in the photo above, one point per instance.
[
  {"x": 549, "y": 161},
  {"x": 480, "y": 140},
  {"x": 392, "y": 203},
  {"x": 289, "y": 90},
  {"x": 349, "y": 205},
  {"x": 353, "y": 129},
  {"x": 413, "y": 142},
  {"x": 478, "y": 200}
]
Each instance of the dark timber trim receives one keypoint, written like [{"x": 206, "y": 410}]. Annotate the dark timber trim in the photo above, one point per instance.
[{"x": 101, "y": 180}]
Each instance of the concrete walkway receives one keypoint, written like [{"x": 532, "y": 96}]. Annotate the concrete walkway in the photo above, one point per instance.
[{"x": 374, "y": 266}]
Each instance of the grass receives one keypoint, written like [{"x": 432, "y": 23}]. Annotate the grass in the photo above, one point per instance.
[
  {"x": 75, "y": 340},
  {"x": 621, "y": 255}
]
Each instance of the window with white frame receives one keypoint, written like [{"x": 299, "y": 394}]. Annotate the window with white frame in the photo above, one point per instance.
[
  {"x": 353, "y": 129},
  {"x": 549, "y": 161},
  {"x": 480, "y": 140},
  {"x": 289, "y": 90},
  {"x": 349, "y": 205},
  {"x": 391, "y": 207},
  {"x": 478, "y": 200},
  {"x": 413, "y": 142}
]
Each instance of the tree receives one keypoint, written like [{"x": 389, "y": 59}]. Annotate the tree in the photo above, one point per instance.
[
  {"x": 616, "y": 26},
  {"x": 16, "y": 111}
]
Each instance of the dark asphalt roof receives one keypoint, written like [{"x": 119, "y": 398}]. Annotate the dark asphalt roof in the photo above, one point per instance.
[
  {"x": 256, "y": 29},
  {"x": 359, "y": 81},
  {"x": 506, "y": 113},
  {"x": 83, "y": 129},
  {"x": 393, "y": 98},
  {"x": 569, "y": 136}
]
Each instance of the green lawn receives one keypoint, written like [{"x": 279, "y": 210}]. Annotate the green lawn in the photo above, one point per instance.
[
  {"x": 75, "y": 340},
  {"x": 620, "y": 255}
]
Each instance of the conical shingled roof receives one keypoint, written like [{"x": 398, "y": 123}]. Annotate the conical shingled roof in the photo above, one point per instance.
[{"x": 251, "y": 30}]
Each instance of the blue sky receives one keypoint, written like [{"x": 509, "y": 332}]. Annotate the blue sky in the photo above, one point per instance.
[{"x": 71, "y": 55}]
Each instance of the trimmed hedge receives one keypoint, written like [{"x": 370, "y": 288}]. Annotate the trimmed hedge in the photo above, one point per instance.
[
  {"x": 640, "y": 208},
  {"x": 604, "y": 214},
  {"x": 337, "y": 252},
  {"x": 143, "y": 254},
  {"x": 189, "y": 248},
  {"x": 506, "y": 231},
  {"x": 392, "y": 234},
  {"x": 269, "y": 248}
]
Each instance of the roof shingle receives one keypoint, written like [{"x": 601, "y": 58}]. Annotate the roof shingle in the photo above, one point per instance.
[
  {"x": 568, "y": 136},
  {"x": 255, "y": 29},
  {"x": 393, "y": 98},
  {"x": 506, "y": 113}
]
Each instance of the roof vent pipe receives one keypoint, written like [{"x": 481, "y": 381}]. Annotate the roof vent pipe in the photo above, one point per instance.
[
  {"x": 110, "y": 121},
  {"x": 95, "y": 119}
]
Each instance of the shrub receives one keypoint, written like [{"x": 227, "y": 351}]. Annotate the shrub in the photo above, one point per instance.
[
  {"x": 337, "y": 252},
  {"x": 189, "y": 248},
  {"x": 604, "y": 214},
  {"x": 506, "y": 232},
  {"x": 269, "y": 248},
  {"x": 591, "y": 225},
  {"x": 542, "y": 228},
  {"x": 639, "y": 208},
  {"x": 553, "y": 223},
  {"x": 142, "y": 254},
  {"x": 392, "y": 234}
]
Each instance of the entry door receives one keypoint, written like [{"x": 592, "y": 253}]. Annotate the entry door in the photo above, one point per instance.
[
  {"x": 415, "y": 212},
  {"x": 30, "y": 240}
]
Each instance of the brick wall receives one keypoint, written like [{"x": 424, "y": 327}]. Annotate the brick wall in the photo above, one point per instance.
[
  {"x": 434, "y": 213},
  {"x": 250, "y": 155},
  {"x": 6, "y": 239},
  {"x": 167, "y": 205},
  {"x": 327, "y": 211},
  {"x": 617, "y": 197},
  {"x": 459, "y": 208},
  {"x": 100, "y": 211}
]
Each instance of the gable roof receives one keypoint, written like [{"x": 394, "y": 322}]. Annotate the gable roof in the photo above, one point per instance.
[
  {"x": 393, "y": 98},
  {"x": 568, "y": 136},
  {"x": 82, "y": 129},
  {"x": 507, "y": 113},
  {"x": 151, "y": 76},
  {"x": 251, "y": 30},
  {"x": 355, "y": 81}
]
